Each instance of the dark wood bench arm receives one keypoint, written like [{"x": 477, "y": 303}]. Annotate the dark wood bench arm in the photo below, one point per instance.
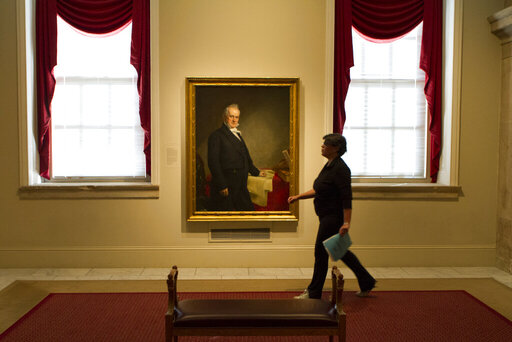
[
  {"x": 337, "y": 296},
  {"x": 337, "y": 289},
  {"x": 172, "y": 279}
]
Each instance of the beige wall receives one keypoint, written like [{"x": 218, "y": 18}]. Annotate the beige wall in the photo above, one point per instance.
[
  {"x": 266, "y": 38},
  {"x": 501, "y": 27}
]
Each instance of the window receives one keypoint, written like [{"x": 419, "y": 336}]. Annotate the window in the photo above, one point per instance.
[
  {"x": 96, "y": 131},
  {"x": 386, "y": 121},
  {"x": 86, "y": 181}
]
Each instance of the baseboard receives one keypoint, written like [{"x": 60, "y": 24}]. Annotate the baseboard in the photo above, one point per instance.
[{"x": 241, "y": 256}]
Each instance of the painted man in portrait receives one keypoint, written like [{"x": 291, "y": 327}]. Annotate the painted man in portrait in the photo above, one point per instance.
[{"x": 230, "y": 164}]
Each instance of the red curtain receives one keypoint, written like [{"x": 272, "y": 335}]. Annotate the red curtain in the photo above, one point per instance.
[
  {"x": 95, "y": 17},
  {"x": 46, "y": 35},
  {"x": 383, "y": 20}
]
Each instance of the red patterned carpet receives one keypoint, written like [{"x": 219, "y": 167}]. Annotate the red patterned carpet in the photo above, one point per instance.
[{"x": 386, "y": 316}]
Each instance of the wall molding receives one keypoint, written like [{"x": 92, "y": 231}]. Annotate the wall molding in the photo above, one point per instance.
[
  {"x": 245, "y": 247},
  {"x": 241, "y": 255}
]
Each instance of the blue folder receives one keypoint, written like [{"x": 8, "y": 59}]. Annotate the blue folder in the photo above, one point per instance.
[{"x": 337, "y": 245}]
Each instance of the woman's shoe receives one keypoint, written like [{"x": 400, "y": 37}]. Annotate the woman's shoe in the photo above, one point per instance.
[
  {"x": 304, "y": 295},
  {"x": 366, "y": 293},
  {"x": 363, "y": 294}
]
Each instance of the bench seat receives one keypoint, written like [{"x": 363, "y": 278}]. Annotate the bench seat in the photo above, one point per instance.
[{"x": 254, "y": 313}]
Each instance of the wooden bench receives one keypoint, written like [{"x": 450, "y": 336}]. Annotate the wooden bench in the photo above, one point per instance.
[{"x": 255, "y": 317}]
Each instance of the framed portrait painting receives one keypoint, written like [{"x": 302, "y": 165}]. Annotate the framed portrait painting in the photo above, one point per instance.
[{"x": 242, "y": 148}]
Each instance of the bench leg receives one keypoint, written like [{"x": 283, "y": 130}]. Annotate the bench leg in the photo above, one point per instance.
[
  {"x": 341, "y": 336},
  {"x": 168, "y": 331},
  {"x": 342, "y": 328}
]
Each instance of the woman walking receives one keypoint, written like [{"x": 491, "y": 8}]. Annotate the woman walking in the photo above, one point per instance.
[{"x": 332, "y": 193}]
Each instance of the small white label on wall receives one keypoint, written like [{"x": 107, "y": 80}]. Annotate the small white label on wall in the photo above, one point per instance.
[{"x": 172, "y": 156}]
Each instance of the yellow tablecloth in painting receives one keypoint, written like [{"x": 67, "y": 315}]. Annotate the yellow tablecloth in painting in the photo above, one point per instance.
[{"x": 259, "y": 187}]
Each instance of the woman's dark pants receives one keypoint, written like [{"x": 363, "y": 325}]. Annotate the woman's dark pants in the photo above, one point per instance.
[{"x": 330, "y": 225}]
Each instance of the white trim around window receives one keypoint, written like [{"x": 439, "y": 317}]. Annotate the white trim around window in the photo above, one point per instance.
[
  {"x": 447, "y": 186},
  {"x": 31, "y": 185}
]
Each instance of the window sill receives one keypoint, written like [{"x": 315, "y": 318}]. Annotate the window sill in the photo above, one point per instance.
[
  {"x": 363, "y": 191},
  {"x": 89, "y": 190},
  {"x": 398, "y": 191}
]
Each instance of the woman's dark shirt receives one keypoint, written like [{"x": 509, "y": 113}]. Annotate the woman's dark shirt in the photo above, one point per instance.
[{"x": 333, "y": 191}]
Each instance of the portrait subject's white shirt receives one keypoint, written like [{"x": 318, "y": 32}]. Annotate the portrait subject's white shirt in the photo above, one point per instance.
[{"x": 236, "y": 132}]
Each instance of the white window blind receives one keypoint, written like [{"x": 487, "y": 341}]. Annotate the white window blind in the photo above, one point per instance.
[
  {"x": 96, "y": 128},
  {"x": 386, "y": 109}
]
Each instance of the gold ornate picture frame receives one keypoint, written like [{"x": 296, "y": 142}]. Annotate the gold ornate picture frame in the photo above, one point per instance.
[{"x": 268, "y": 129}]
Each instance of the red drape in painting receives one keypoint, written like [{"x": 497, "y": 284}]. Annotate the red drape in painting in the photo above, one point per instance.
[
  {"x": 384, "y": 20},
  {"x": 95, "y": 17}
]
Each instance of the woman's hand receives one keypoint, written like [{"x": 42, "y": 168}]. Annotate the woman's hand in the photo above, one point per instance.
[
  {"x": 304, "y": 195},
  {"x": 344, "y": 229},
  {"x": 292, "y": 199}
]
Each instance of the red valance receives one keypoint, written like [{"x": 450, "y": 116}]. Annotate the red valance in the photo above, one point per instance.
[
  {"x": 96, "y": 17},
  {"x": 384, "y": 20}
]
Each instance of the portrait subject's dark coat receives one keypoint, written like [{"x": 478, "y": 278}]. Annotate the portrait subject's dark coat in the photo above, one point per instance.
[{"x": 230, "y": 164}]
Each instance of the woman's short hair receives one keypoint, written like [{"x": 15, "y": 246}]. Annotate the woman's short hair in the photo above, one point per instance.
[{"x": 336, "y": 140}]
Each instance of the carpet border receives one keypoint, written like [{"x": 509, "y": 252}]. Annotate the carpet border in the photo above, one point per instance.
[
  {"x": 488, "y": 307},
  {"x": 26, "y": 315}
]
